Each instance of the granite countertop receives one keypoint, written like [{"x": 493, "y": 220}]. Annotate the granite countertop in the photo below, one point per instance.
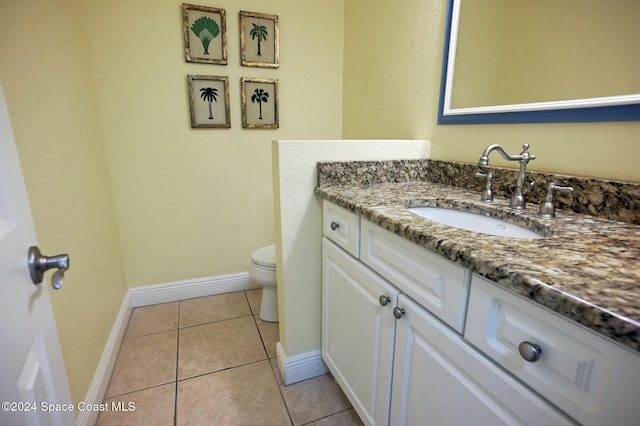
[{"x": 585, "y": 269}]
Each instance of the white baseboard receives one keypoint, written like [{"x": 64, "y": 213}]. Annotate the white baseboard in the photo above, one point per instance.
[
  {"x": 300, "y": 367},
  {"x": 188, "y": 289},
  {"x": 101, "y": 378},
  {"x": 151, "y": 295}
]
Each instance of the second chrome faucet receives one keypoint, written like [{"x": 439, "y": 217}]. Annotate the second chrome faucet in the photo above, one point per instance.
[{"x": 517, "y": 199}]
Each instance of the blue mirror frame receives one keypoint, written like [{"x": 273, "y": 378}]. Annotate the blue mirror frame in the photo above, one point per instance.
[{"x": 568, "y": 114}]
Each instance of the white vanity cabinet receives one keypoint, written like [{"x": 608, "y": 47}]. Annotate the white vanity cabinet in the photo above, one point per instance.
[
  {"x": 392, "y": 322},
  {"x": 594, "y": 381}
]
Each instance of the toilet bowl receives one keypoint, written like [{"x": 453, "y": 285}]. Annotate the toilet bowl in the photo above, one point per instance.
[{"x": 263, "y": 271}]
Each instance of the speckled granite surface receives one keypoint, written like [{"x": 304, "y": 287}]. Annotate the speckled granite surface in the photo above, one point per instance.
[
  {"x": 618, "y": 201},
  {"x": 585, "y": 269}
]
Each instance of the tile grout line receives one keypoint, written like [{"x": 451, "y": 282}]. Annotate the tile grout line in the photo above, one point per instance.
[
  {"x": 284, "y": 400},
  {"x": 251, "y": 314},
  {"x": 119, "y": 396},
  {"x": 214, "y": 321},
  {"x": 138, "y": 390},
  {"x": 220, "y": 371},
  {"x": 113, "y": 371},
  {"x": 264, "y": 346},
  {"x": 255, "y": 322},
  {"x": 273, "y": 372},
  {"x": 327, "y": 416},
  {"x": 175, "y": 401}
]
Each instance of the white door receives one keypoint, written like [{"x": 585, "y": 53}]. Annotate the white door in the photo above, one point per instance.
[{"x": 33, "y": 383}]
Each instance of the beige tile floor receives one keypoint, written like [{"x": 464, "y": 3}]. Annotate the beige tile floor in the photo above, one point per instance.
[{"x": 211, "y": 361}]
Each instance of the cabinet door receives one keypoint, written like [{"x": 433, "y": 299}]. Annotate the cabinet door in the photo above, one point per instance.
[
  {"x": 358, "y": 332},
  {"x": 438, "y": 379}
]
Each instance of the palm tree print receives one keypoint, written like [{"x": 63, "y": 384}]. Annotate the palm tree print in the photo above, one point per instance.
[
  {"x": 260, "y": 32},
  {"x": 209, "y": 94},
  {"x": 206, "y": 29},
  {"x": 260, "y": 96}
]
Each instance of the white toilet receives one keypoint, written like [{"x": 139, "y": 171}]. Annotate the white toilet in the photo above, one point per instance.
[{"x": 263, "y": 271}]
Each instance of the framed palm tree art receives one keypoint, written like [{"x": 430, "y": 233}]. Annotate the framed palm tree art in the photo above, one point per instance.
[
  {"x": 205, "y": 34},
  {"x": 259, "y": 103},
  {"x": 209, "y": 101},
  {"x": 259, "y": 40}
]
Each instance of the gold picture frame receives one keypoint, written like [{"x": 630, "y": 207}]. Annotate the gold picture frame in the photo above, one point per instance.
[
  {"x": 260, "y": 103},
  {"x": 205, "y": 92},
  {"x": 205, "y": 34},
  {"x": 259, "y": 40}
]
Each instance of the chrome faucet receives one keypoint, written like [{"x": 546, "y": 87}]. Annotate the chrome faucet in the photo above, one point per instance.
[{"x": 517, "y": 199}]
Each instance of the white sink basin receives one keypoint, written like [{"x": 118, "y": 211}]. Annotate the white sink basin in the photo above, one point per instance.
[{"x": 474, "y": 222}]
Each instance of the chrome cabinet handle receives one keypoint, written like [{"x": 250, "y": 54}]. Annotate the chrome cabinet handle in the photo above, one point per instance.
[
  {"x": 530, "y": 352},
  {"x": 334, "y": 226},
  {"x": 398, "y": 312},
  {"x": 39, "y": 264},
  {"x": 384, "y": 300}
]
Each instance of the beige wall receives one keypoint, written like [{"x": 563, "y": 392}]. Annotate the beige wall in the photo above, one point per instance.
[
  {"x": 47, "y": 74},
  {"x": 392, "y": 80},
  {"x": 197, "y": 202},
  {"x": 116, "y": 177}
]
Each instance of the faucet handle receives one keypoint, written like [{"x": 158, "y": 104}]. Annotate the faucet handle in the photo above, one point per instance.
[
  {"x": 525, "y": 152},
  {"x": 487, "y": 194},
  {"x": 547, "y": 207}
]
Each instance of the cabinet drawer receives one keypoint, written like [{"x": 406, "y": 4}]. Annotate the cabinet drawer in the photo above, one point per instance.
[
  {"x": 591, "y": 379},
  {"x": 341, "y": 226},
  {"x": 442, "y": 287}
]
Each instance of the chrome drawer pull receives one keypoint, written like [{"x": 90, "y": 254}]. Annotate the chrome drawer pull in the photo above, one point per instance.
[
  {"x": 530, "y": 352},
  {"x": 334, "y": 226},
  {"x": 384, "y": 300}
]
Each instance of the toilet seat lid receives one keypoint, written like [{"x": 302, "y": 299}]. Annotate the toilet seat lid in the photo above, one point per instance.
[{"x": 265, "y": 256}]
